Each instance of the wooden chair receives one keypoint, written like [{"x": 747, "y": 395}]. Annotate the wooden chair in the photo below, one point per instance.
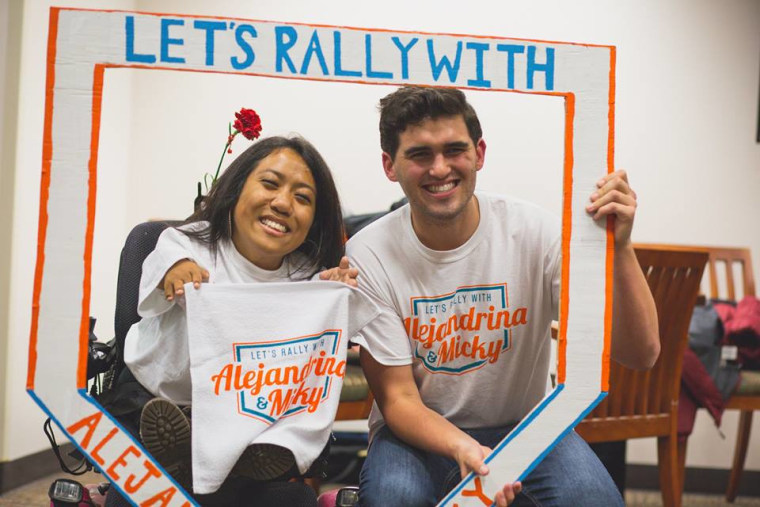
[
  {"x": 645, "y": 403},
  {"x": 730, "y": 259}
]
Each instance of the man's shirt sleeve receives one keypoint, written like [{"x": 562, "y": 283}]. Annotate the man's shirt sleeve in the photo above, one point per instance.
[{"x": 385, "y": 337}]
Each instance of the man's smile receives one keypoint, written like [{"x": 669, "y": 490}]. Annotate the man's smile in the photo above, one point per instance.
[{"x": 439, "y": 188}]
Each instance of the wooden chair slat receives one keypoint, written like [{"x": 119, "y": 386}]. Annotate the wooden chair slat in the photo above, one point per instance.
[{"x": 644, "y": 403}]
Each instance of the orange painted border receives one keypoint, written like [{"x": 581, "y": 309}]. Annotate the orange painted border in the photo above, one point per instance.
[
  {"x": 47, "y": 158},
  {"x": 92, "y": 186},
  {"x": 326, "y": 80},
  {"x": 567, "y": 226},
  {"x": 610, "y": 258}
]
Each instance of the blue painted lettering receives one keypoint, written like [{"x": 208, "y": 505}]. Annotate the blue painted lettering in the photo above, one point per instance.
[
  {"x": 437, "y": 67},
  {"x": 368, "y": 57},
  {"x": 131, "y": 55},
  {"x": 283, "y": 46},
  {"x": 547, "y": 68},
  {"x": 511, "y": 50},
  {"x": 250, "y": 56},
  {"x": 404, "y": 54},
  {"x": 210, "y": 27},
  {"x": 315, "y": 48},
  {"x": 338, "y": 56},
  {"x": 167, "y": 41},
  {"x": 479, "y": 48}
]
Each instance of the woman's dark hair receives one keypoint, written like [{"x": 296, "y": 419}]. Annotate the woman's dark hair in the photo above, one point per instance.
[{"x": 324, "y": 244}]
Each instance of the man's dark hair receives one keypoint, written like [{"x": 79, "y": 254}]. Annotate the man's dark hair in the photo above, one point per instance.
[
  {"x": 323, "y": 246},
  {"x": 411, "y": 105}
]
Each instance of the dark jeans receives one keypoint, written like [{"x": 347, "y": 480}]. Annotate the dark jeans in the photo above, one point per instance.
[{"x": 396, "y": 474}]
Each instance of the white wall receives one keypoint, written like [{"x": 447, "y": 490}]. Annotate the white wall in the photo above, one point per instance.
[
  {"x": 687, "y": 100},
  {"x": 7, "y": 147}
]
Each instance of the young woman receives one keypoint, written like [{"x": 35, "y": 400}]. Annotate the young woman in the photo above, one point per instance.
[{"x": 273, "y": 216}]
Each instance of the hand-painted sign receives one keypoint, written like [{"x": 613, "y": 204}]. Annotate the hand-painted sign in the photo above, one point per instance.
[{"x": 83, "y": 45}]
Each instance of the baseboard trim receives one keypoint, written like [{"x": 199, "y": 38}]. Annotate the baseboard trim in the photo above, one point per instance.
[
  {"x": 709, "y": 481},
  {"x": 32, "y": 467}
]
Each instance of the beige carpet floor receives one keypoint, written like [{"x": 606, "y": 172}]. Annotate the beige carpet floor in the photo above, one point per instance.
[{"x": 35, "y": 495}]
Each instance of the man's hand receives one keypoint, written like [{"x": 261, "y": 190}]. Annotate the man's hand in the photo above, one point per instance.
[
  {"x": 343, "y": 273},
  {"x": 635, "y": 335},
  {"x": 614, "y": 197},
  {"x": 179, "y": 274},
  {"x": 507, "y": 494},
  {"x": 470, "y": 456}
]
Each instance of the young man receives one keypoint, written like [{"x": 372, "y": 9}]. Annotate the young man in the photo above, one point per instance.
[{"x": 468, "y": 283}]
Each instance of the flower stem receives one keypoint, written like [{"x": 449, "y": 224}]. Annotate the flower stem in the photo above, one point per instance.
[{"x": 216, "y": 175}]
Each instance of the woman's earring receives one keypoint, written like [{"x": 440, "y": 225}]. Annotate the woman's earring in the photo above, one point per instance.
[
  {"x": 318, "y": 245},
  {"x": 229, "y": 225}
]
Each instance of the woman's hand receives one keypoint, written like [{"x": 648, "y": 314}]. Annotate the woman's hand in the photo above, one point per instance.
[
  {"x": 343, "y": 273},
  {"x": 179, "y": 274}
]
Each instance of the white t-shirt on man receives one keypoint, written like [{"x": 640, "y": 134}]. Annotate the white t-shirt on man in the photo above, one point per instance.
[{"x": 475, "y": 321}]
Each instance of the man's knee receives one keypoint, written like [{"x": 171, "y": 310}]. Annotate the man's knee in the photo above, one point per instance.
[
  {"x": 392, "y": 490},
  {"x": 572, "y": 475},
  {"x": 394, "y": 474},
  {"x": 389, "y": 483}
]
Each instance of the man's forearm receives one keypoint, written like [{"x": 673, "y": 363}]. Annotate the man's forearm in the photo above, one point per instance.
[
  {"x": 425, "y": 429},
  {"x": 407, "y": 415},
  {"x": 635, "y": 334}
]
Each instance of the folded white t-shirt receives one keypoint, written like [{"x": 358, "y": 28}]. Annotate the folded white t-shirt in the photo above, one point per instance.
[{"x": 267, "y": 363}]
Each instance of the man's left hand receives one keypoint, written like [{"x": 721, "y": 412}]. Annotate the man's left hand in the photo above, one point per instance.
[
  {"x": 507, "y": 494},
  {"x": 614, "y": 197}
]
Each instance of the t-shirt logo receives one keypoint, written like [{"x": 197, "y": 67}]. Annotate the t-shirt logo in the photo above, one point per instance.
[
  {"x": 464, "y": 330},
  {"x": 277, "y": 379}
]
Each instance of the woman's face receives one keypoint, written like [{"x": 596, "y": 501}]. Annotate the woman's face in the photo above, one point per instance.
[{"x": 275, "y": 210}]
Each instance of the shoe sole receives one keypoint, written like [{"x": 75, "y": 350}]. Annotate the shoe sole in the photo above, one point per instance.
[
  {"x": 165, "y": 432},
  {"x": 264, "y": 462}
]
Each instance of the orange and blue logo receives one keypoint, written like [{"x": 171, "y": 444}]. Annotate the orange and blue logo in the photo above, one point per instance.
[
  {"x": 464, "y": 330},
  {"x": 277, "y": 379}
]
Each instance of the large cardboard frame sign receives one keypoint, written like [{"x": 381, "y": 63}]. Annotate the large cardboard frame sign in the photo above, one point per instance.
[{"x": 84, "y": 44}]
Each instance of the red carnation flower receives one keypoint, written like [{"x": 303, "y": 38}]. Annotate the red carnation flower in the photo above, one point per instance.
[{"x": 248, "y": 123}]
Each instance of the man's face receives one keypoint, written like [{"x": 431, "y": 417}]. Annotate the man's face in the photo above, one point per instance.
[{"x": 436, "y": 165}]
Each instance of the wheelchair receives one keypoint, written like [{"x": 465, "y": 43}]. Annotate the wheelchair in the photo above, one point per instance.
[{"x": 117, "y": 390}]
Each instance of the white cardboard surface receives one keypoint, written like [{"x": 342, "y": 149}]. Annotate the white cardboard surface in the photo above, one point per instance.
[{"x": 84, "y": 44}]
